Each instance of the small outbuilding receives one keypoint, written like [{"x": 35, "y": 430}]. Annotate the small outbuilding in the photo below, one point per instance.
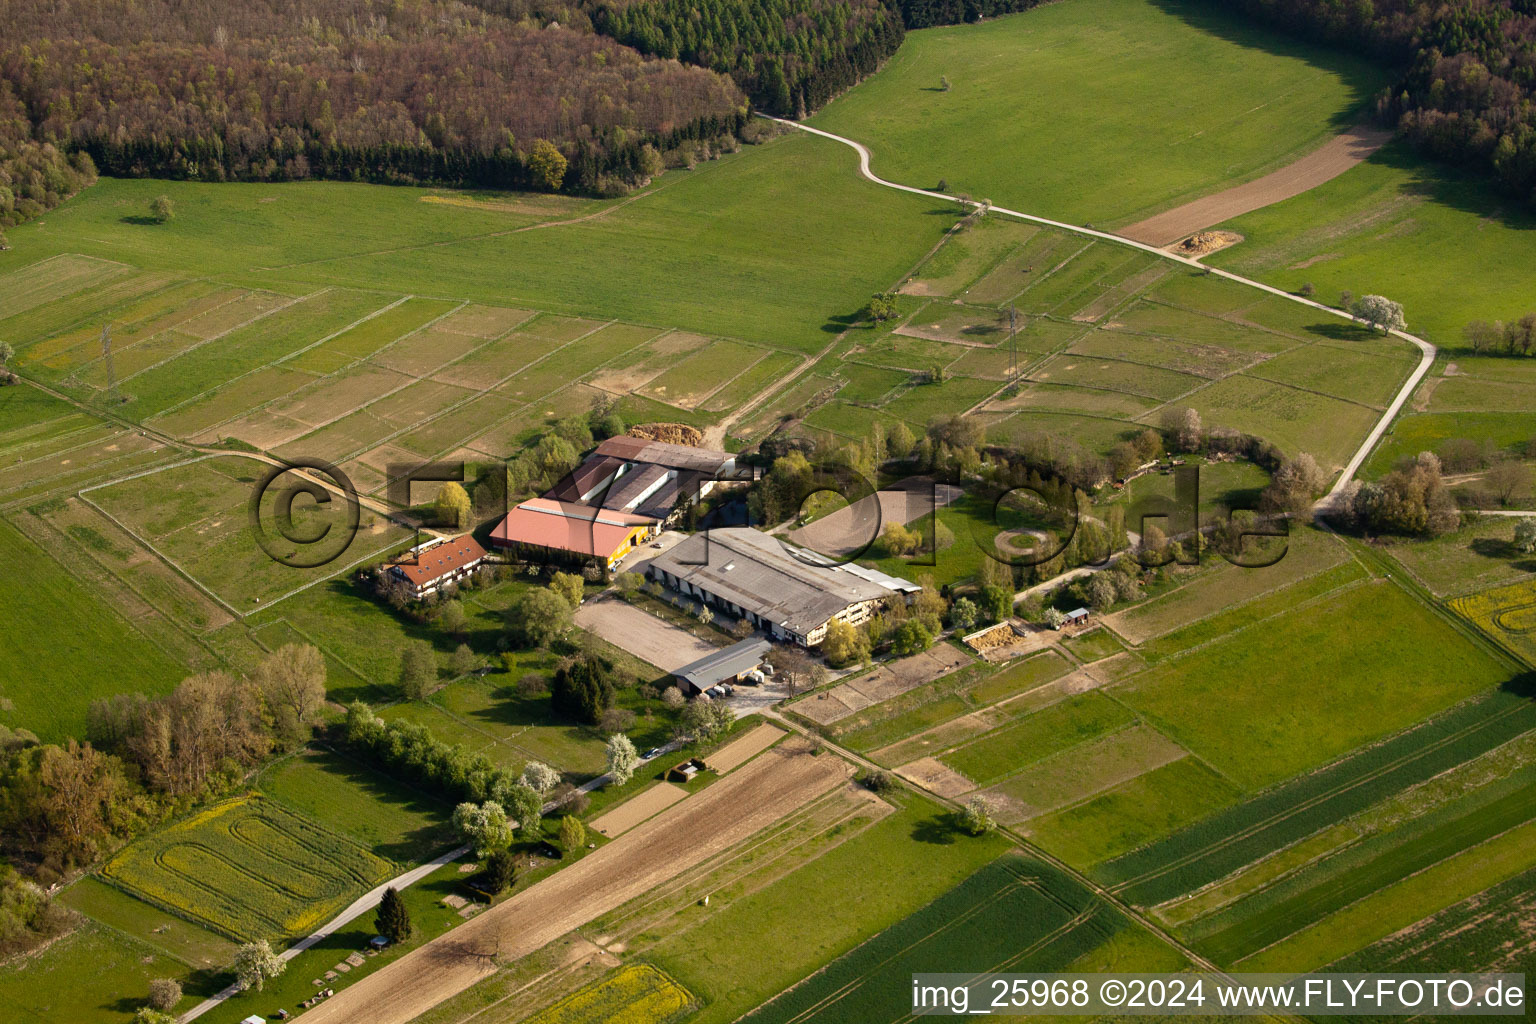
[
  {"x": 378, "y": 942},
  {"x": 727, "y": 665},
  {"x": 685, "y": 771},
  {"x": 1078, "y": 616},
  {"x": 254, "y": 1019}
]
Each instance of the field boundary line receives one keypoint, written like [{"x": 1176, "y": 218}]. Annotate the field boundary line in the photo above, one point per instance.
[
  {"x": 357, "y": 908},
  {"x": 74, "y": 573},
  {"x": 1357, "y": 823},
  {"x": 322, "y": 379},
  {"x": 292, "y": 301},
  {"x": 353, "y": 453},
  {"x": 474, "y": 395},
  {"x": 343, "y": 662},
  {"x": 1103, "y": 892},
  {"x": 115, "y": 431},
  {"x": 273, "y": 602},
  {"x": 194, "y": 636},
  {"x": 1342, "y": 588},
  {"x": 1168, "y": 595},
  {"x": 1427, "y": 351},
  {"x": 1324, "y": 796},
  {"x": 1336, "y": 911},
  {"x": 239, "y": 293},
  {"x": 163, "y": 556},
  {"x": 659, "y": 904},
  {"x": 1306, "y": 390},
  {"x": 721, "y": 387},
  {"x": 443, "y": 243}
]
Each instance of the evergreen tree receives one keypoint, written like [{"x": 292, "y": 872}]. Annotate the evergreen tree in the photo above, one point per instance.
[
  {"x": 393, "y": 921},
  {"x": 499, "y": 873}
]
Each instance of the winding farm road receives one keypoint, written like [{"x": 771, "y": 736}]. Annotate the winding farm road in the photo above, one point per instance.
[{"x": 1426, "y": 350}]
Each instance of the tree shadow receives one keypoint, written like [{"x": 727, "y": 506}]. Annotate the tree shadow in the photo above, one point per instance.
[
  {"x": 837, "y": 323},
  {"x": 1457, "y": 187},
  {"x": 1363, "y": 77},
  {"x": 1342, "y": 331},
  {"x": 418, "y": 843},
  {"x": 981, "y": 330},
  {"x": 1492, "y": 547},
  {"x": 142, "y": 220},
  {"x": 200, "y": 984},
  {"x": 939, "y": 830},
  {"x": 1523, "y": 685}
]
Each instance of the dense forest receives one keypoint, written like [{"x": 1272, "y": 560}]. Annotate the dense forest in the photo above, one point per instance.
[
  {"x": 405, "y": 91},
  {"x": 790, "y": 56},
  {"x": 1469, "y": 91},
  {"x": 416, "y": 91}
]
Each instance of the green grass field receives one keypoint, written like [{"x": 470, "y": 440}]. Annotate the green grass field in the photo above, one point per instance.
[
  {"x": 1290, "y": 693},
  {"x": 737, "y": 222},
  {"x": 1257, "y": 921},
  {"x": 1167, "y": 103},
  {"x": 821, "y": 910},
  {"x": 1487, "y": 930},
  {"x": 1015, "y": 914},
  {"x": 389, "y": 818},
  {"x": 1052, "y": 729},
  {"x": 1480, "y": 556},
  {"x": 171, "y": 935},
  {"x": 92, "y": 974},
  {"x": 1133, "y": 813},
  {"x": 75, "y": 647},
  {"x": 1212, "y": 848}
]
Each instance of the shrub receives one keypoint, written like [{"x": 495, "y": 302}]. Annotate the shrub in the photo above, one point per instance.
[{"x": 164, "y": 993}]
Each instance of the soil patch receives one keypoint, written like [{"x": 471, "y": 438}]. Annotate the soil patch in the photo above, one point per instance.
[
  {"x": 936, "y": 778},
  {"x": 1325, "y": 163},
  {"x": 637, "y": 809},
  {"x": 743, "y": 748}
]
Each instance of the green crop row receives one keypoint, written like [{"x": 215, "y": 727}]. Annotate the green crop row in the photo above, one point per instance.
[
  {"x": 1224, "y": 842},
  {"x": 1268, "y": 916},
  {"x": 1014, "y": 915}
]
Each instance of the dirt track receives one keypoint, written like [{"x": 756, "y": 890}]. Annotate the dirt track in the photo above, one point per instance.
[
  {"x": 1328, "y": 161},
  {"x": 726, "y": 813}
]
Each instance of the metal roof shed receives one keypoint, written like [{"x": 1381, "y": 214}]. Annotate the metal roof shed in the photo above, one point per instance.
[{"x": 726, "y": 663}]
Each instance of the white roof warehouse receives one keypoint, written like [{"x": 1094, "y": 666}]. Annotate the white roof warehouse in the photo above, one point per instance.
[{"x": 754, "y": 576}]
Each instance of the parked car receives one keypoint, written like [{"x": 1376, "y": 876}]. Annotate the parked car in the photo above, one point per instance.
[
  {"x": 653, "y": 752},
  {"x": 728, "y": 688}
]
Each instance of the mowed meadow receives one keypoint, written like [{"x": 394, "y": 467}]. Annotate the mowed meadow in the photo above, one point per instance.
[
  {"x": 785, "y": 235},
  {"x": 1100, "y": 111}
]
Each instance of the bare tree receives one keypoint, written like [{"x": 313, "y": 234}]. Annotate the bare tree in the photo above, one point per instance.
[
  {"x": 1480, "y": 335},
  {"x": 1508, "y": 479},
  {"x": 292, "y": 683}
]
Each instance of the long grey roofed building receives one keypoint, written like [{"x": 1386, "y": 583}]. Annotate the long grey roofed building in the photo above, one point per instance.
[
  {"x": 752, "y": 575},
  {"x": 727, "y": 663}
]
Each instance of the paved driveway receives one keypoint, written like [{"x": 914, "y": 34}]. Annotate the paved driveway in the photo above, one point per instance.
[
  {"x": 848, "y": 530},
  {"x": 641, "y": 633}
]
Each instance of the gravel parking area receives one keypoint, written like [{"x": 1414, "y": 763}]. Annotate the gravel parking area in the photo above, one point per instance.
[{"x": 640, "y": 633}]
